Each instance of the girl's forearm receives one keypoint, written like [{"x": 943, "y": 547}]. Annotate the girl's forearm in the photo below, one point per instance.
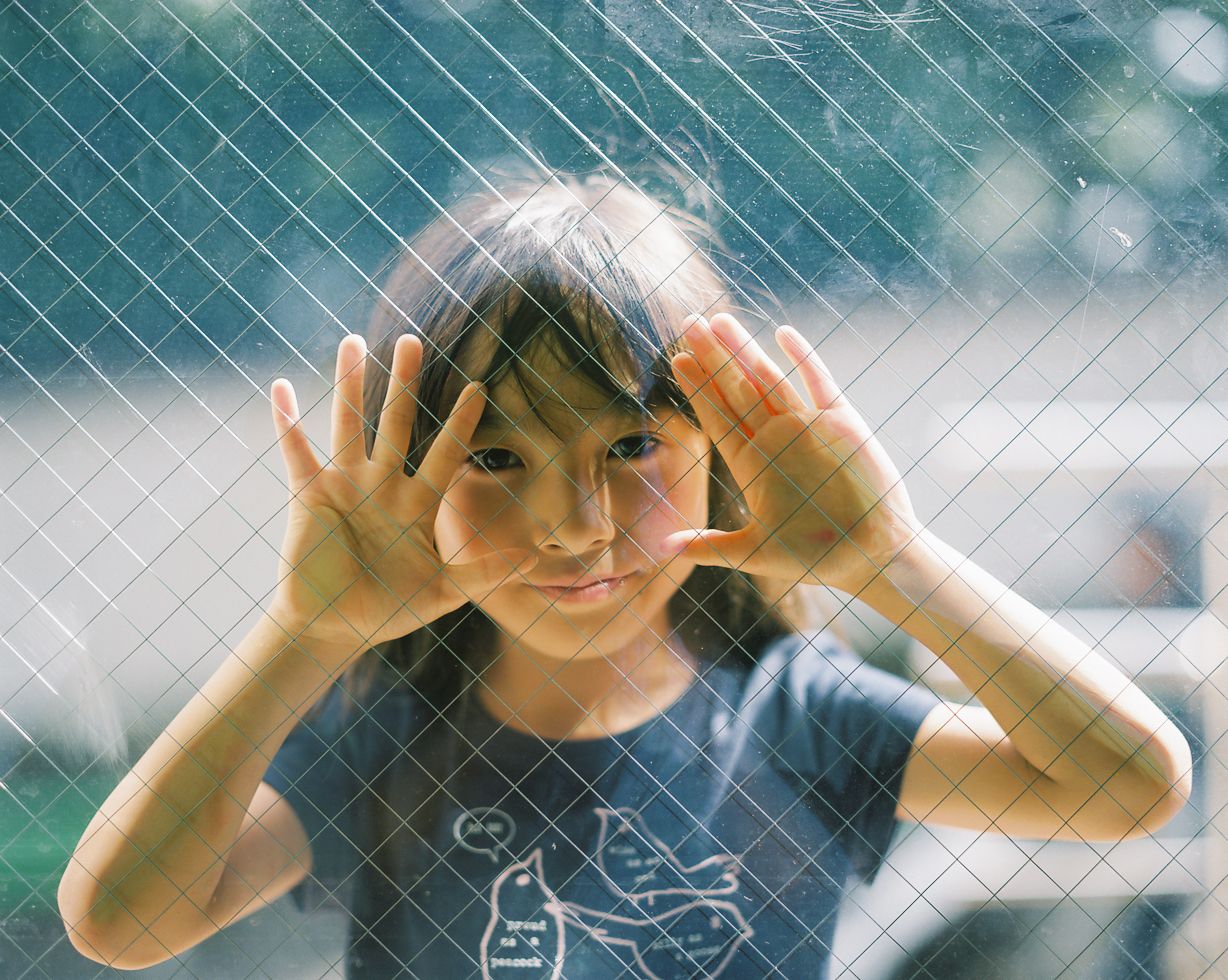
[
  {"x": 1072, "y": 716},
  {"x": 160, "y": 836}
]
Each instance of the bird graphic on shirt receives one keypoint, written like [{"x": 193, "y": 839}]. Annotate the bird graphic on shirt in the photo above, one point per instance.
[
  {"x": 696, "y": 939},
  {"x": 526, "y": 924},
  {"x": 694, "y": 931},
  {"x": 638, "y": 865}
]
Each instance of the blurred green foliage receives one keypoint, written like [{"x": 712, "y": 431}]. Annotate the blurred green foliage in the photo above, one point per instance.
[{"x": 201, "y": 181}]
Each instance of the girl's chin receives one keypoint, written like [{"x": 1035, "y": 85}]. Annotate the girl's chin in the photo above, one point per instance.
[{"x": 554, "y": 638}]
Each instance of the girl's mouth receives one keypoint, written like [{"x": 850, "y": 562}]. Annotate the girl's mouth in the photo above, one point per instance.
[{"x": 591, "y": 591}]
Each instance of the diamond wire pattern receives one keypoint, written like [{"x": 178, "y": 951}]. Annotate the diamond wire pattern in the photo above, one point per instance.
[{"x": 299, "y": 214}]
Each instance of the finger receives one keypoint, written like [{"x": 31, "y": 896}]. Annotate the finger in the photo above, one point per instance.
[
  {"x": 714, "y": 418},
  {"x": 450, "y": 447},
  {"x": 396, "y": 420},
  {"x": 818, "y": 379},
  {"x": 296, "y": 451},
  {"x": 348, "y": 447},
  {"x": 724, "y": 549},
  {"x": 728, "y": 376},
  {"x": 476, "y": 579},
  {"x": 778, "y": 392}
]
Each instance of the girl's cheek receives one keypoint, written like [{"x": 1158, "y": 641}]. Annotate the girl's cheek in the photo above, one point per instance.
[
  {"x": 674, "y": 498},
  {"x": 473, "y": 520}
]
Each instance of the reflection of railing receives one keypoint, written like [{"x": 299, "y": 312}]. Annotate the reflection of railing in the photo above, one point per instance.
[
  {"x": 1087, "y": 437},
  {"x": 937, "y": 877},
  {"x": 1179, "y": 653}
]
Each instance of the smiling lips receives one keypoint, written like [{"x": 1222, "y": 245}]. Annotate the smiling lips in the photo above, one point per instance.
[{"x": 593, "y": 590}]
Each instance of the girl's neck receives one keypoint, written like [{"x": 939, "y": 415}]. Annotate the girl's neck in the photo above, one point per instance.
[{"x": 588, "y": 696}]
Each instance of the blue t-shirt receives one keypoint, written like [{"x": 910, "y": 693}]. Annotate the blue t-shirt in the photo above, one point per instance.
[{"x": 714, "y": 840}]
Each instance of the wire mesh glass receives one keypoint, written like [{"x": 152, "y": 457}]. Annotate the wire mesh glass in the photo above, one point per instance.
[{"x": 999, "y": 224}]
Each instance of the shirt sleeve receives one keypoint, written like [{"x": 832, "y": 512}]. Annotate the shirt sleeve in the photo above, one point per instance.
[
  {"x": 316, "y": 771},
  {"x": 846, "y": 731}
]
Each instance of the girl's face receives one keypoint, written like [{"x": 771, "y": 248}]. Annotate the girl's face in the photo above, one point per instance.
[{"x": 591, "y": 495}]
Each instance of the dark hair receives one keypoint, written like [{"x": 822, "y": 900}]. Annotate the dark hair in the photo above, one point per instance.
[{"x": 593, "y": 273}]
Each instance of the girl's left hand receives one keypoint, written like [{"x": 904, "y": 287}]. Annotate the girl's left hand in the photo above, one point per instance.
[{"x": 827, "y": 506}]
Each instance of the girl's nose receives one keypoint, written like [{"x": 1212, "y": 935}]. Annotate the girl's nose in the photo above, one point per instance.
[{"x": 573, "y": 510}]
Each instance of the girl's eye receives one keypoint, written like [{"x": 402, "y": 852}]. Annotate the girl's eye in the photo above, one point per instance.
[
  {"x": 492, "y": 460},
  {"x": 635, "y": 447},
  {"x": 632, "y": 447}
]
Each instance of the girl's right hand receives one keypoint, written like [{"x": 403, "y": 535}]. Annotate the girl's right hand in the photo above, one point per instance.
[{"x": 358, "y": 563}]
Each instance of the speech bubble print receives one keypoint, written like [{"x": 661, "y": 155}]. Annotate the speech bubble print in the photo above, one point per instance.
[{"x": 483, "y": 830}]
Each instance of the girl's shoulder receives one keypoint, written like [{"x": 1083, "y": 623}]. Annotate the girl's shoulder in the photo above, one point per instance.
[
  {"x": 813, "y": 707},
  {"x": 810, "y": 675},
  {"x": 806, "y": 659},
  {"x": 355, "y": 715}
]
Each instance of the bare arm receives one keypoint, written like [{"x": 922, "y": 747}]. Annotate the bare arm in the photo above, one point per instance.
[
  {"x": 185, "y": 844},
  {"x": 1065, "y": 745}
]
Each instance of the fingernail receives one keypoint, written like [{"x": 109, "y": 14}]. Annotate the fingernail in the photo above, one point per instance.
[
  {"x": 696, "y": 336},
  {"x": 677, "y": 542}
]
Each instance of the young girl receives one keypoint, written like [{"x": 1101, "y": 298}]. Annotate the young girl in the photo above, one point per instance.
[{"x": 519, "y": 700}]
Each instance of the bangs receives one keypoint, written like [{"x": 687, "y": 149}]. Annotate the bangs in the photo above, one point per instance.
[{"x": 539, "y": 335}]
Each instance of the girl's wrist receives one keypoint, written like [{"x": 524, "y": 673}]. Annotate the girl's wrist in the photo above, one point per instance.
[
  {"x": 909, "y": 556},
  {"x": 331, "y": 642},
  {"x": 278, "y": 643}
]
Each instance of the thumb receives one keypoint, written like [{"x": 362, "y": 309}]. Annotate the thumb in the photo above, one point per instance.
[
  {"x": 726, "y": 549},
  {"x": 475, "y": 579}
]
